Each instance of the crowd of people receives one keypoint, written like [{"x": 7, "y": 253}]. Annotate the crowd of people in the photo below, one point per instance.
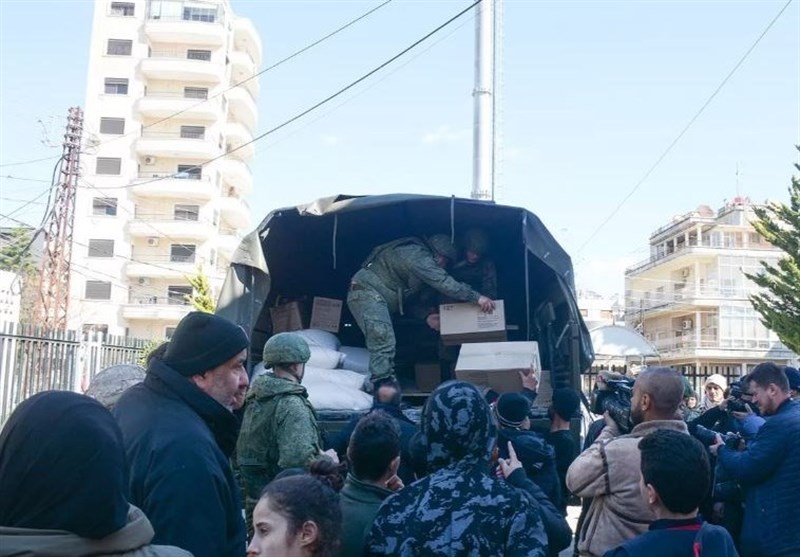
[{"x": 195, "y": 460}]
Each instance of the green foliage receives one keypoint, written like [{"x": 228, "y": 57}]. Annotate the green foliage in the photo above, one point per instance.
[
  {"x": 148, "y": 349},
  {"x": 779, "y": 301},
  {"x": 14, "y": 256},
  {"x": 201, "y": 298}
]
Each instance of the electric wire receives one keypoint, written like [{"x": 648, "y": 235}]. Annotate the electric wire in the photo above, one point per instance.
[
  {"x": 686, "y": 128},
  {"x": 21, "y": 163}
]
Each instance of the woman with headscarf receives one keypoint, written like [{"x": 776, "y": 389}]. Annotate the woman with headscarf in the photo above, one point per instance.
[{"x": 63, "y": 483}]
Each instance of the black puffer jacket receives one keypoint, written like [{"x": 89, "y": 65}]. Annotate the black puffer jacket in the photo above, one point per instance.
[{"x": 537, "y": 457}]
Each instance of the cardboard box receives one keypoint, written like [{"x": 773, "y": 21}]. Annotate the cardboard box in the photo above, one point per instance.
[
  {"x": 326, "y": 313},
  {"x": 461, "y": 323},
  {"x": 286, "y": 318},
  {"x": 496, "y": 365},
  {"x": 428, "y": 376}
]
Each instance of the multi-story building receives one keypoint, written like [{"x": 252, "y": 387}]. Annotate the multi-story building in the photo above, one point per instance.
[
  {"x": 598, "y": 310},
  {"x": 689, "y": 298},
  {"x": 162, "y": 100}
]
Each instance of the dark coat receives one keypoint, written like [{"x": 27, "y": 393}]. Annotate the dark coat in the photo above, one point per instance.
[
  {"x": 559, "y": 535},
  {"x": 537, "y": 457},
  {"x": 673, "y": 538},
  {"x": 178, "y": 441},
  {"x": 341, "y": 439},
  {"x": 359, "y": 502},
  {"x": 769, "y": 472}
]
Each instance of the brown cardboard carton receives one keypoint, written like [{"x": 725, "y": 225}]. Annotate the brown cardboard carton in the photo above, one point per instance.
[
  {"x": 462, "y": 323},
  {"x": 496, "y": 365},
  {"x": 286, "y": 318},
  {"x": 428, "y": 376},
  {"x": 326, "y": 313}
]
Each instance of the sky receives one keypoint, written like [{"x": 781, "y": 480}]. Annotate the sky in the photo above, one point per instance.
[{"x": 591, "y": 95}]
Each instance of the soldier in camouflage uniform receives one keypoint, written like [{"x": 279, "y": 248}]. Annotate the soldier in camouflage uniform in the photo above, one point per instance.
[
  {"x": 279, "y": 429},
  {"x": 392, "y": 274},
  {"x": 476, "y": 269},
  {"x": 459, "y": 509}
]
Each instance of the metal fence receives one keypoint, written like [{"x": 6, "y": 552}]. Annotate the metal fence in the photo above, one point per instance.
[{"x": 32, "y": 361}]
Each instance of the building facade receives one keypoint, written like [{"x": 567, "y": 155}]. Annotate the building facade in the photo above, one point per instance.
[
  {"x": 167, "y": 92},
  {"x": 689, "y": 298}
]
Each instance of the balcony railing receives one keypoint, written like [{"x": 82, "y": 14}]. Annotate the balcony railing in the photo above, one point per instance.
[
  {"x": 687, "y": 296},
  {"x": 711, "y": 342},
  {"x": 175, "y": 300},
  {"x": 165, "y": 260},
  {"x": 693, "y": 243},
  {"x": 177, "y": 55},
  {"x": 166, "y": 175},
  {"x": 150, "y": 134}
]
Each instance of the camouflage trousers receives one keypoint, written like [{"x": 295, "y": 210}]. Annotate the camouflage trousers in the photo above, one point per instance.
[{"x": 372, "y": 315}]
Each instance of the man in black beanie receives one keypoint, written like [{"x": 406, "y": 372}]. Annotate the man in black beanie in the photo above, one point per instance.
[
  {"x": 563, "y": 408},
  {"x": 179, "y": 432}
]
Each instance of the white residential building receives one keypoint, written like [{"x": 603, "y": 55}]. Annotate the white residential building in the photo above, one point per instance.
[
  {"x": 10, "y": 297},
  {"x": 689, "y": 298},
  {"x": 160, "y": 102}
]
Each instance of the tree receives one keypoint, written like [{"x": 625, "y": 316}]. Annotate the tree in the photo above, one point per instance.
[
  {"x": 201, "y": 299},
  {"x": 779, "y": 301},
  {"x": 15, "y": 255}
]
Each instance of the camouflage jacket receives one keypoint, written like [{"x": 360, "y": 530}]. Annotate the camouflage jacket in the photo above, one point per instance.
[
  {"x": 459, "y": 510},
  {"x": 401, "y": 269},
  {"x": 482, "y": 276},
  {"x": 279, "y": 431}
]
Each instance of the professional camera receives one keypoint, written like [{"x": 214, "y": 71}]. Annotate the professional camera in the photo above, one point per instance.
[
  {"x": 614, "y": 397},
  {"x": 735, "y": 401},
  {"x": 708, "y": 437}
]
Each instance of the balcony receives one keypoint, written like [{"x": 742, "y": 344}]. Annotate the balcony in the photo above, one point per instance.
[
  {"x": 242, "y": 107},
  {"x": 242, "y": 65},
  {"x": 166, "y": 225},
  {"x": 246, "y": 38},
  {"x": 234, "y": 210},
  {"x": 712, "y": 346},
  {"x": 166, "y": 185},
  {"x": 176, "y": 29},
  {"x": 688, "y": 299},
  {"x": 164, "y": 104},
  {"x": 163, "y": 266},
  {"x": 237, "y": 174},
  {"x": 174, "y": 66},
  {"x": 155, "y": 308},
  {"x": 227, "y": 241},
  {"x": 175, "y": 145}
]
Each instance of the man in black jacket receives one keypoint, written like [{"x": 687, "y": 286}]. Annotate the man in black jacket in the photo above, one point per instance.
[{"x": 179, "y": 432}]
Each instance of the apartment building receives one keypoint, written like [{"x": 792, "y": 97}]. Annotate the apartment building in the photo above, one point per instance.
[
  {"x": 689, "y": 298},
  {"x": 161, "y": 102}
]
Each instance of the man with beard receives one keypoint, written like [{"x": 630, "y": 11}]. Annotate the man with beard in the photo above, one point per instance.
[{"x": 608, "y": 471}]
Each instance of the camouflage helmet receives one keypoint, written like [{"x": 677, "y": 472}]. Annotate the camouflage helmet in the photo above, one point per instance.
[
  {"x": 286, "y": 348},
  {"x": 476, "y": 240},
  {"x": 441, "y": 245}
]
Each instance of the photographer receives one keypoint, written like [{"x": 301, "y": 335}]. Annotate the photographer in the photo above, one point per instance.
[
  {"x": 608, "y": 471},
  {"x": 769, "y": 468}
]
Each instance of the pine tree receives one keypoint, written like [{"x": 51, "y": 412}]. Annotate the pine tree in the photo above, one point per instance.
[
  {"x": 201, "y": 298},
  {"x": 15, "y": 255},
  {"x": 779, "y": 301}
]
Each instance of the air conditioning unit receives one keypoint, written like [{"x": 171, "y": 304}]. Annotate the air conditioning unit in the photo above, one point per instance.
[
  {"x": 686, "y": 272},
  {"x": 143, "y": 281},
  {"x": 687, "y": 324},
  {"x": 150, "y": 161},
  {"x": 152, "y": 242}
]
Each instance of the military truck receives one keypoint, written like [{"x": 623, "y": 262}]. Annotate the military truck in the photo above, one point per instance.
[{"x": 311, "y": 250}]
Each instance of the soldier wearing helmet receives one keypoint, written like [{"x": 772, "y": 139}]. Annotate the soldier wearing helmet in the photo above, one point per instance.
[
  {"x": 279, "y": 429},
  {"x": 476, "y": 268},
  {"x": 393, "y": 274}
]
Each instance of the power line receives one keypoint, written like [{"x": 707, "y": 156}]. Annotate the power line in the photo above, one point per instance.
[
  {"x": 21, "y": 179},
  {"x": 315, "y": 106},
  {"x": 686, "y": 127},
  {"x": 21, "y": 163}
]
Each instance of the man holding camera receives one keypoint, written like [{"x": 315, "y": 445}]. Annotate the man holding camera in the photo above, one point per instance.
[
  {"x": 608, "y": 471},
  {"x": 768, "y": 468}
]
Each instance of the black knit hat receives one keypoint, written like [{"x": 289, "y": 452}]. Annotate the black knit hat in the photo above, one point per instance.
[
  {"x": 566, "y": 402},
  {"x": 512, "y": 409},
  {"x": 203, "y": 341}
]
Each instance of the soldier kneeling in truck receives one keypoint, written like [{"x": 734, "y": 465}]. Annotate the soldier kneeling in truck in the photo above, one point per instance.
[{"x": 392, "y": 274}]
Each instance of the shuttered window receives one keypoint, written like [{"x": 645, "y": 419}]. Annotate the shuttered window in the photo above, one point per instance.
[
  {"x": 119, "y": 47},
  {"x": 98, "y": 290},
  {"x": 176, "y": 295},
  {"x": 187, "y": 212},
  {"x": 195, "y": 92},
  {"x": 204, "y": 55},
  {"x": 101, "y": 248},
  {"x": 105, "y": 206},
  {"x": 116, "y": 86},
  {"x": 182, "y": 253},
  {"x": 193, "y": 132},
  {"x": 113, "y": 126},
  {"x": 108, "y": 165},
  {"x": 123, "y": 8}
]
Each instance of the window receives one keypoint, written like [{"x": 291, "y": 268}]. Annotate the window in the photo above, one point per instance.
[
  {"x": 193, "y": 132},
  {"x": 113, "y": 126},
  {"x": 119, "y": 47},
  {"x": 108, "y": 165},
  {"x": 101, "y": 248},
  {"x": 116, "y": 86},
  {"x": 195, "y": 92},
  {"x": 191, "y": 13},
  {"x": 94, "y": 328},
  {"x": 182, "y": 253},
  {"x": 193, "y": 54},
  {"x": 98, "y": 290},
  {"x": 187, "y": 212},
  {"x": 104, "y": 206},
  {"x": 126, "y": 9},
  {"x": 176, "y": 295},
  {"x": 189, "y": 172}
]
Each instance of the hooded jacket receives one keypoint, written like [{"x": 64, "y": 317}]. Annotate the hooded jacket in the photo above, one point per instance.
[
  {"x": 178, "y": 441},
  {"x": 537, "y": 457},
  {"x": 132, "y": 540},
  {"x": 279, "y": 431},
  {"x": 670, "y": 538},
  {"x": 459, "y": 509},
  {"x": 609, "y": 473}
]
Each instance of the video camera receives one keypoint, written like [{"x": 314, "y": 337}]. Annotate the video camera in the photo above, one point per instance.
[
  {"x": 735, "y": 401},
  {"x": 615, "y": 399},
  {"x": 708, "y": 437}
]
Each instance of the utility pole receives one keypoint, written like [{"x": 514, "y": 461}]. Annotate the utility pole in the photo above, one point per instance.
[
  {"x": 51, "y": 311},
  {"x": 483, "y": 133}
]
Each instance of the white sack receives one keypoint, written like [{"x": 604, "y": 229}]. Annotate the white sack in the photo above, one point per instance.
[
  {"x": 330, "y": 389},
  {"x": 324, "y": 358},
  {"x": 355, "y": 358},
  {"x": 317, "y": 337},
  {"x": 340, "y": 377}
]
